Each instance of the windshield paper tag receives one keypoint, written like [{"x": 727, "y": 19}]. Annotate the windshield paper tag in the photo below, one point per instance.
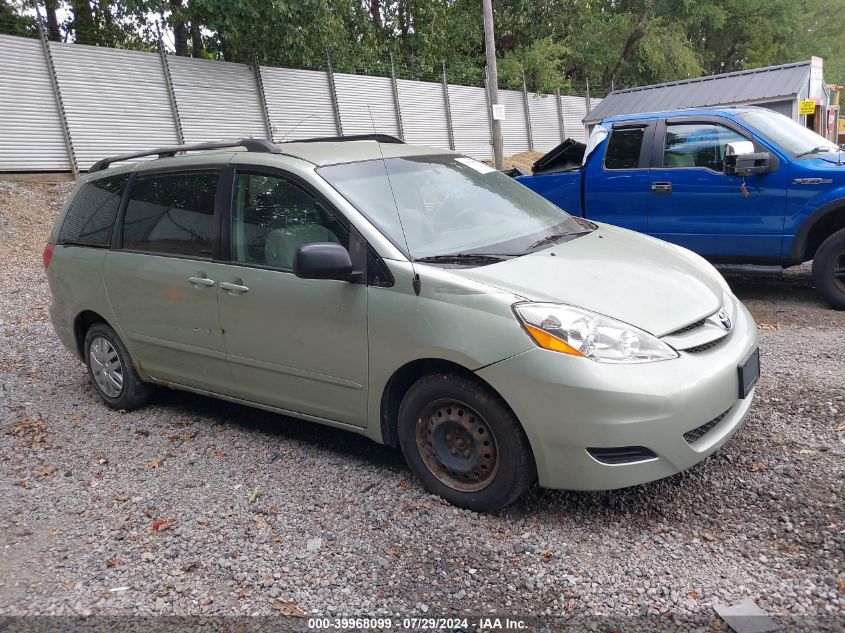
[{"x": 481, "y": 168}]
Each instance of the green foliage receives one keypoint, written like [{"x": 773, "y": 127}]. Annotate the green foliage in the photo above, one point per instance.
[{"x": 552, "y": 43}]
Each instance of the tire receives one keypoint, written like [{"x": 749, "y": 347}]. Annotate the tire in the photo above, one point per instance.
[
  {"x": 464, "y": 443},
  {"x": 829, "y": 269},
  {"x": 106, "y": 345}
]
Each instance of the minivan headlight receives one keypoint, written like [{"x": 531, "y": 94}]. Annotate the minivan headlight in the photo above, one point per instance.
[{"x": 579, "y": 332}]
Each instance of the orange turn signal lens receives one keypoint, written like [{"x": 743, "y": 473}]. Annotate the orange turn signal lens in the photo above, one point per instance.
[{"x": 553, "y": 343}]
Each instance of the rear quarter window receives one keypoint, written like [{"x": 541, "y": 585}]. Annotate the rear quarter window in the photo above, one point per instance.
[
  {"x": 90, "y": 218},
  {"x": 623, "y": 148}
]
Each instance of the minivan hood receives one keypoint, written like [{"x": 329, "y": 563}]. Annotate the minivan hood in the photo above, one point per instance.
[{"x": 631, "y": 277}]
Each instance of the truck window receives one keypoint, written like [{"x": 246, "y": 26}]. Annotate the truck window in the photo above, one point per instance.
[
  {"x": 623, "y": 148},
  {"x": 697, "y": 145}
]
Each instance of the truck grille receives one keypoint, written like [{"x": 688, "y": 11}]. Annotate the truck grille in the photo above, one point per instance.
[{"x": 697, "y": 433}]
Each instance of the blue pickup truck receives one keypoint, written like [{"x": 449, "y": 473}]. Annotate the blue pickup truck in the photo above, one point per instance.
[{"x": 740, "y": 186}]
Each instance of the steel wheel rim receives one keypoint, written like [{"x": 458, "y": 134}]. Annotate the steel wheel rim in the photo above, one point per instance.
[
  {"x": 838, "y": 271},
  {"x": 457, "y": 445},
  {"x": 106, "y": 367}
]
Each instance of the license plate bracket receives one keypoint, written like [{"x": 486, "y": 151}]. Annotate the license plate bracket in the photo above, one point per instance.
[{"x": 749, "y": 372}]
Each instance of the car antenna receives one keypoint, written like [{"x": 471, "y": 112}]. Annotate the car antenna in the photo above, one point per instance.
[
  {"x": 417, "y": 285},
  {"x": 293, "y": 129}
]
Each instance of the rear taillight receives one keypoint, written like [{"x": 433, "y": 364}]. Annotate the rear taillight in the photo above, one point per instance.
[{"x": 47, "y": 255}]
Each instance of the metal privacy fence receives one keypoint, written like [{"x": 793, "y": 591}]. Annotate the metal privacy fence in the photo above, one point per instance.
[{"x": 65, "y": 106}]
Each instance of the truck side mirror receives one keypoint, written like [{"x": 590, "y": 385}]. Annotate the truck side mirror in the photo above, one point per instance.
[{"x": 742, "y": 160}]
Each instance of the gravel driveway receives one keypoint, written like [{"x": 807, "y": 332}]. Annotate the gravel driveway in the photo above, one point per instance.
[{"x": 194, "y": 506}]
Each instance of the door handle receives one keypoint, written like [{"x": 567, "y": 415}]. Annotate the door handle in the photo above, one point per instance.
[
  {"x": 661, "y": 188},
  {"x": 201, "y": 282},
  {"x": 234, "y": 289}
]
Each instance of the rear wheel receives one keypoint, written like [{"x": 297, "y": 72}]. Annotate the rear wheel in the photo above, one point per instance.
[
  {"x": 829, "y": 269},
  {"x": 464, "y": 443},
  {"x": 111, "y": 370}
]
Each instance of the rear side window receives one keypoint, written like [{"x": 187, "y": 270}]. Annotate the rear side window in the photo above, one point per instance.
[
  {"x": 90, "y": 218},
  {"x": 623, "y": 148},
  {"x": 171, "y": 214}
]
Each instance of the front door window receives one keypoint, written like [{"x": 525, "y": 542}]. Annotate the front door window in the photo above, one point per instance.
[{"x": 272, "y": 217}]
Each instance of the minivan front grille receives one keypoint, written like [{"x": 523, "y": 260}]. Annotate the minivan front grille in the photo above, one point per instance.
[
  {"x": 688, "y": 328},
  {"x": 622, "y": 454},
  {"x": 705, "y": 346},
  {"x": 697, "y": 433}
]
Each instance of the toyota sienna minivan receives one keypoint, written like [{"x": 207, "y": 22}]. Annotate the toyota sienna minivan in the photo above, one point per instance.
[{"x": 409, "y": 294}]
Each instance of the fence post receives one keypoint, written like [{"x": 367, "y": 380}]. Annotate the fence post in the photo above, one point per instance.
[
  {"x": 60, "y": 106},
  {"x": 588, "y": 107},
  {"x": 171, "y": 93},
  {"x": 527, "y": 113},
  {"x": 448, "y": 110},
  {"x": 560, "y": 123},
  {"x": 259, "y": 84},
  {"x": 396, "y": 104},
  {"x": 333, "y": 91}
]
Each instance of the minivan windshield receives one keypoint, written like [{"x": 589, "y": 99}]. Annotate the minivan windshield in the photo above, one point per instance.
[
  {"x": 437, "y": 207},
  {"x": 789, "y": 135}
]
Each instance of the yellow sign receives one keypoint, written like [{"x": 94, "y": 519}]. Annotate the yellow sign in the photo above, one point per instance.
[{"x": 806, "y": 106}]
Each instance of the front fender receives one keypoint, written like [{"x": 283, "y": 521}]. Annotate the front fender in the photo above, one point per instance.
[{"x": 800, "y": 224}]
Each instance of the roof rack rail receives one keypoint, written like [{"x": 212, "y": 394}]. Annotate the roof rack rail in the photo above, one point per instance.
[
  {"x": 380, "y": 138},
  {"x": 250, "y": 144}
]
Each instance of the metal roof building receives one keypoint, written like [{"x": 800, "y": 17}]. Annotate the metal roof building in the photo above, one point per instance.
[{"x": 779, "y": 88}]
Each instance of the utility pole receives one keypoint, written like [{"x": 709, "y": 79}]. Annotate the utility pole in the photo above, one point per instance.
[{"x": 493, "y": 82}]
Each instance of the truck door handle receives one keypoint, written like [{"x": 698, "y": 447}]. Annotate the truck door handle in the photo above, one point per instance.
[
  {"x": 201, "y": 282},
  {"x": 661, "y": 188},
  {"x": 234, "y": 289}
]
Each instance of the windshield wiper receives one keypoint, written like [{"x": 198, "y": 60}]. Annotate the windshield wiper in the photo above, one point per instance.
[
  {"x": 461, "y": 258},
  {"x": 816, "y": 150},
  {"x": 555, "y": 237}
]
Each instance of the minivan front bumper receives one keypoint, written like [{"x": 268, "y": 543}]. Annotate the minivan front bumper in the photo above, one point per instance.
[{"x": 568, "y": 405}]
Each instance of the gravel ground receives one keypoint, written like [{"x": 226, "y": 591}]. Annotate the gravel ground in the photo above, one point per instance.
[{"x": 194, "y": 506}]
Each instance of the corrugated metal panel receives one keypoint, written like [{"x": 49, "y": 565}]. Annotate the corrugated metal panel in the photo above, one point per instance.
[
  {"x": 471, "y": 122},
  {"x": 544, "y": 121},
  {"x": 116, "y": 101},
  {"x": 514, "y": 127},
  {"x": 216, "y": 100},
  {"x": 365, "y": 102},
  {"x": 299, "y": 102},
  {"x": 423, "y": 113},
  {"x": 574, "y": 110},
  {"x": 744, "y": 86},
  {"x": 31, "y": 136},
  {"x": 784, "y": 107}
]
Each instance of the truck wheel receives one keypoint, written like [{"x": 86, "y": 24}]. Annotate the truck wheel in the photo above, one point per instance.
[
  {"x": 111, "y": 370},
  {"x": 464, "y": 443},
  {"x": 829, "y": 269}
]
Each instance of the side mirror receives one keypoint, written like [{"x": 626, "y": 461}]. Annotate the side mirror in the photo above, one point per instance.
[
  {"x": 742, "y": 160},
  {"x": 322, "y": 260}
]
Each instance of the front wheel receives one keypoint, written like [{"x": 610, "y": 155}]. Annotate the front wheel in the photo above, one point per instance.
[
  {"x": 111, "y": 371},
  {"x": 464, "y": 443},
  {"x": 829, "y": 269}
]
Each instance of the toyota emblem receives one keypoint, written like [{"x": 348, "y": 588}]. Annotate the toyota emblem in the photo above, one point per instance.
[{"x": 725, "y": 319}]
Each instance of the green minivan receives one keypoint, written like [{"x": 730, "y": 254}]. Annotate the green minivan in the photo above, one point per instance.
[{"x": 409, "y": 294}]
